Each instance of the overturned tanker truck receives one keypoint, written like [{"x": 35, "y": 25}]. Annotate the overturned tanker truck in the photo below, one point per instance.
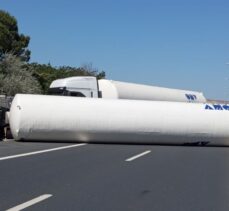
[
  {"x": 58, "y": 118},
  {"x": 90, "y": 87}
]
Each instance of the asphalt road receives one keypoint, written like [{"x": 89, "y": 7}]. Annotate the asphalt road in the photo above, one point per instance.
[{"x": 99, "y": 177}]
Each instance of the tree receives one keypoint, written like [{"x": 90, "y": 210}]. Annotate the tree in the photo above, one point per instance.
[
  {"x": 10, "y": 39},
  {"x": 17, "y": 77},
  {"x": 90, "y": 70}
]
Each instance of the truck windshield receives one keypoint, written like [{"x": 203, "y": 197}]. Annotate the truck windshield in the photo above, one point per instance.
[
  {"x": 62, "y": 91},
  {"x": 57, "y": 91}
]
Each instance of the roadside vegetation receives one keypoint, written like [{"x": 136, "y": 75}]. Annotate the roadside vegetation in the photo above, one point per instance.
[{"x": 17, "y": 74}]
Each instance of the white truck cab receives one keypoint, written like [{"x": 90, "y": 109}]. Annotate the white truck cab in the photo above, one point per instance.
[{"x": 86, "y": 86}]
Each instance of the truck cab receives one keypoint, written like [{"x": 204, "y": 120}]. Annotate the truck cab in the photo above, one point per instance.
[{"x": 86, "y": 86}]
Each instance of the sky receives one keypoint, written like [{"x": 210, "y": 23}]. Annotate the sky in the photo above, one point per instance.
[{"x": 180, "y": 44}]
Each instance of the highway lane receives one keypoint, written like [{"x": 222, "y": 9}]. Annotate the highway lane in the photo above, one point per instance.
[{"x": 99, "y": 177}]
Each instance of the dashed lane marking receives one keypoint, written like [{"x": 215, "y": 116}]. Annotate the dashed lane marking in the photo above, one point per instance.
[
  {"x": 30, "y": 203},
  {"x": 138, "y": 156}
]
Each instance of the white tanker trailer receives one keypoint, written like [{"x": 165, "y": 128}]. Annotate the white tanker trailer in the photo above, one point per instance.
[
  {"x": 92, "y": 88},
  {"x": 52, "y": 118}
]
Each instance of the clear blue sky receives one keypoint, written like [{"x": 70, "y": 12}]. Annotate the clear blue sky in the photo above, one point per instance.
[{"x": 172, "y": 43}]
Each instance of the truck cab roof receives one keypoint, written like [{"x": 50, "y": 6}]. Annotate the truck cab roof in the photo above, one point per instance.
[{"x": 76, "y": 82}]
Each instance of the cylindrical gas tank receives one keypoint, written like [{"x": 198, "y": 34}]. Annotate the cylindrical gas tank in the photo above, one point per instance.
[
  {"x": 123, "y": 90},
  {"x": 58, "y": 118}
]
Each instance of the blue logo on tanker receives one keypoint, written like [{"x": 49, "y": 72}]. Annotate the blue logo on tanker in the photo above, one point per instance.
[
  {"x": 218, "y": 107},
  {"x": 191, "y": 97}
]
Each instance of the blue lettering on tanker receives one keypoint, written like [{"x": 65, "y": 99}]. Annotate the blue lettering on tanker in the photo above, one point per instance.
[
  {"x": 216, "y": 107},
  {"x": 190, "y": 97},
  {"x": 208, "y": 107},
  {"x": 226, "y": 107}
]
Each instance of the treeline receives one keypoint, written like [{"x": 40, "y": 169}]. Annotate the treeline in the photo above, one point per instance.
[{"x": 17, "y": 75}]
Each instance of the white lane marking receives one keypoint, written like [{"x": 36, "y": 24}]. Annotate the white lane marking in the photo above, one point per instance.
[
  {"x": 39, "y": 152},
  {"x": 30, "y": 203},
  {"x": 139, "y": 155}
]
